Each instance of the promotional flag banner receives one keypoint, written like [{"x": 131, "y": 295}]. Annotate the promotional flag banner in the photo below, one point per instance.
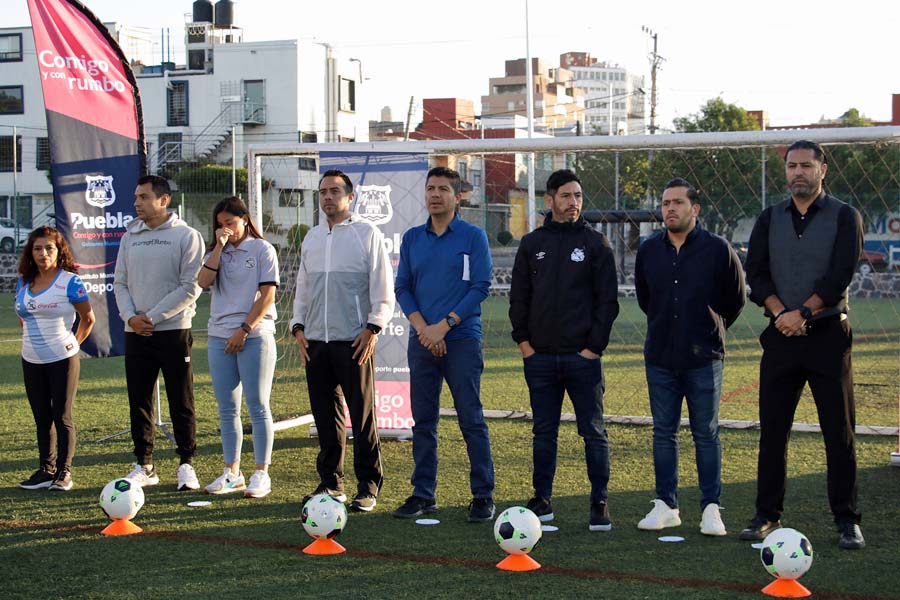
[
  {"x": 389, "y": 192},
  {"x": 97, "y": 149}
]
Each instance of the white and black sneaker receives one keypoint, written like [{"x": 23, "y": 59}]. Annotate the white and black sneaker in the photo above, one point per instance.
[
  {"x": 40, "y": 479},
  {"x": 143, "y": 475},
  {"x": 62, "y": 482},
  {"x": 364, "y": 502},
  {"x": 187, "y": 478}
]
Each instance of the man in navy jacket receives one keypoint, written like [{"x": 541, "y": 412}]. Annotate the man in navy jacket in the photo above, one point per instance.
[
  {"x": 690, "y": 284},
  {"x": 563, "y": 301}
]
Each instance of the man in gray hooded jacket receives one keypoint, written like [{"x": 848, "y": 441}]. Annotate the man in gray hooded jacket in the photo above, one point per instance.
[{"x": 156, "y": 292}]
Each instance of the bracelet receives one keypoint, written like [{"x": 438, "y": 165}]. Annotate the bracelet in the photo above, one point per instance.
[
  {"x": 782, "y": 312},
  {"x": 297, "y": 327},
  {"x": 205, "y": 266},
  {"x": 247, "y": 329}
]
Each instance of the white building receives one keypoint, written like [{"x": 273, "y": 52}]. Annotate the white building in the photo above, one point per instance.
[
  {"x": 271, "y": 91},
  {"x": 614, "y": 96}
]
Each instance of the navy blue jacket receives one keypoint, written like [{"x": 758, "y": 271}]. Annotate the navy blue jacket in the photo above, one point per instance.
[
  {"x": 564, "y": 294},
  {"x": 690, "y": 297}
]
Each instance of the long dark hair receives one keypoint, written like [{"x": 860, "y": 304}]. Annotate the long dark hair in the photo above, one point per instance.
[
  {"x": 28, "y": 269},
  {"x": 233, "y": 206}
]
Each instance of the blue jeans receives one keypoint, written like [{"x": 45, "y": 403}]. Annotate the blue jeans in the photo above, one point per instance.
[
  {"x": 461, "y": 367},
  {"x": 549, "y": 376},
  {"x": 702, "y": 387},
  {"x": 249, "y": 371}
]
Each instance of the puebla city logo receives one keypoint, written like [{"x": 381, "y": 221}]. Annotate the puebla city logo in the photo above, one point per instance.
[
  {"x": 100, "y": 191},
  {"x": 373, "y": 203}
]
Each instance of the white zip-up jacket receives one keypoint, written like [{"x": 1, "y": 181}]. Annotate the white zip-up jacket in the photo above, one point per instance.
[{"x": 345, "y": 281}]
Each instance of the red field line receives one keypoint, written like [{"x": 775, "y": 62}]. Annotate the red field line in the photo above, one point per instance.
[{"x": 445, "y": 561}]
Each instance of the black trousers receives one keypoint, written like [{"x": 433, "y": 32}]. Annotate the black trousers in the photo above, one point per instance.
[
  {"x": 331, "y": 370},
  {"x": 145, "y": 356},
  {"x": 51, "y": 390},
  {"x": 821, "y": 359}
]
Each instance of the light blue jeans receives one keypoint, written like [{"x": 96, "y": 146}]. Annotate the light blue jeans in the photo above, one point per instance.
[{"x": 250, "y": 372}]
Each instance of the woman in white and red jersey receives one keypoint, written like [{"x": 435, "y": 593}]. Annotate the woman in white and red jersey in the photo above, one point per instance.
[{"x": 49, "y": 294}]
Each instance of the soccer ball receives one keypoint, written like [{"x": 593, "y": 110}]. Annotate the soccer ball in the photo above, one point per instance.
[
  {"x": 517, "y": 530},
  {"x": 121, "y": 499},
  {"x": 786, "y": 554},
  {"x": 323, "y": 517}
]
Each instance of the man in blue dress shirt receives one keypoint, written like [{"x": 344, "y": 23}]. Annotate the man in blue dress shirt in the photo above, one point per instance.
[
  {"x": 443, "y": 277},
  {"x": 690, "y": 284}
]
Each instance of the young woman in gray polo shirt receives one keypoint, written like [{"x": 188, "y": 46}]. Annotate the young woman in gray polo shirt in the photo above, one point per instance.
[{"x": 241, "y": 271}]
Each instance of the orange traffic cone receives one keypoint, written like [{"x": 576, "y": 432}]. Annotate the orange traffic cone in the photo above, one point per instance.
[
  {"x": 121, "y": 527},
  {"x": 518, "y": 562},
  {"x": 786, "y": 588},
  {"x": 326, "y": 546}
]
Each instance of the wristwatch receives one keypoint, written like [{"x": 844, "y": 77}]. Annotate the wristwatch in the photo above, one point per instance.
[
  {"x": 805, "y": 312},
  {"x": 451, "y": 321},
  {"x": 297, "y": 327},
  {"x": 373, "y": 328}
]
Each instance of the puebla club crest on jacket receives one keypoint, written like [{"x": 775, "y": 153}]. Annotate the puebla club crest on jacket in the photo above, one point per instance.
[
  {"x": 577, "y": 255},
  {"x": 373, "y": 203},
  {"x": 99, "y": 191}
]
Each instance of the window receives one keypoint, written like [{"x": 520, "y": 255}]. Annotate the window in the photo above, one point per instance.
[
  {"x": 6, "y": 153},
  {"x": 290, "y": 198},
  {"x": 43, "y": 154},
  {"x": 308, "y": 137},
  {"x": 11, "y": 100},
  {"x": 347, "y": 95},
  {"x": 177, "y": 104},
  {"x": 11, "y": 47},
  {"x": 306, "y": 163}
]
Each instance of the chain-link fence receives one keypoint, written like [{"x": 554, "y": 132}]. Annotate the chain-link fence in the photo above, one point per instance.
[{"x": 737, "y": 176}]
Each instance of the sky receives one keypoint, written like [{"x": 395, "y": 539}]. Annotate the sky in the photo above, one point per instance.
[{"x": 799, "y": 61}]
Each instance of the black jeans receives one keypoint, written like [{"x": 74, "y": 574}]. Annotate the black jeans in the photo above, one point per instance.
[
  {"x": 145, "y": 356},
  {"x": 821, "y": 359},
  {"x": 51, "y": 390},
  {"x": 330, "y": 371}
]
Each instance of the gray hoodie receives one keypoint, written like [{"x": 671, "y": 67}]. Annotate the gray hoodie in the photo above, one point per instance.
[{"x": 156, "y": 273}]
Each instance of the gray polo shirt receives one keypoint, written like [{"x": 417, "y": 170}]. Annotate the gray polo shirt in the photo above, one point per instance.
[{"x": 241, "y": 271}]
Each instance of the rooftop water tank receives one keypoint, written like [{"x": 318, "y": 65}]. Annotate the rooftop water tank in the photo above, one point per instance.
[
  {"x": 203, "y": 11},
  {"x": 224, "y": 13}
]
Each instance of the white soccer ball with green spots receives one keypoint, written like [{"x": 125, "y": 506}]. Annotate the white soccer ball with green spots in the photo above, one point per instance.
[
  {"x": 786, "y": 553},
  {"x": 121, "y": 499},
  {"x": 323, "y": 517},
  {"x": 517, "y": 530}
]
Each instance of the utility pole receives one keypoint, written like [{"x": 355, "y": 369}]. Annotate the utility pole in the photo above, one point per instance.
[
  {"x": 655, "y": 61},
  {"x": 409, "y": 117}
]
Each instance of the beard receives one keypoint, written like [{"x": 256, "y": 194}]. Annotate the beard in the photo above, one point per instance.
[{"x": 803, "y": 189}]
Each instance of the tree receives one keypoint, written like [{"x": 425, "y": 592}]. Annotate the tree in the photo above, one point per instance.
[{"x": 717, "y": 115}]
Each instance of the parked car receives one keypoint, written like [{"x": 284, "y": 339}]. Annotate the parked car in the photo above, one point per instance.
[
  {"x": 870, "y": 261},
  {"x": 8, "y": 239}
]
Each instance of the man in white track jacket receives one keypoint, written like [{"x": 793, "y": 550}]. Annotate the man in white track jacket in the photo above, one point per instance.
[{"x": 344, "y": 298}]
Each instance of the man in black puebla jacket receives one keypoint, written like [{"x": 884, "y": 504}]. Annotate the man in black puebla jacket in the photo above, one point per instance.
[
  {"x": 802, "y": 255},
  {"x": 690, "y": 283},
  {"x": 562, "y": 304}
]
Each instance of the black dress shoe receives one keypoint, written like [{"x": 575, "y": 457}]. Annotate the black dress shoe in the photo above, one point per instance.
[
  {"x": 851, "y": 537},
  {"x": 758, "y": 529}
]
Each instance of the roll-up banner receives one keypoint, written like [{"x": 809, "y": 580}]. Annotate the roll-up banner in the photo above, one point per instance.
[
  {"x": 389, "y": 192},
  {"x": 97, "y": 149}
]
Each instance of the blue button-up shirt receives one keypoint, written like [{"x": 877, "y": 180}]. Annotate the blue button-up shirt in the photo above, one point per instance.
[
  {"x": 438, "y": 275},
  {"x": 691, "y": 296}
]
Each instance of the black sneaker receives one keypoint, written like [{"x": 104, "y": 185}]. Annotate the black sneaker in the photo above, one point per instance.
[
  {"x": 758, "y": 529},
  {"x": 600, "y": 517},
  {"x": 481, "y": 510},
  {"x": 541, "y": 507},
  {"x": 62, "y": 482},
  {"x": 324, "y": 489},
  {"x": 851, "y": 536},
  {"x": 39, "y": 479},
  {"x": 364, "y": 502},
  {"x": 415, "y": 507}
]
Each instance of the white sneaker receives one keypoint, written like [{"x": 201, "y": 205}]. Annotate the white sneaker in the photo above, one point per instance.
[
  {"x": 260, "y": 485},
  {"x": 187, "y": 478},
  {"x": 660, "y": 517},
  {"x": 226, "y": 483},
  {"x": 142, "y": 476},
  {"x": 711, "y": 522}
]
